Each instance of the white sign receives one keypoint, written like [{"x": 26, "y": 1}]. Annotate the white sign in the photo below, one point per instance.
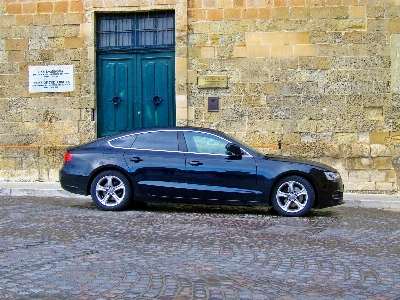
[{"x": 51, "y": 79}]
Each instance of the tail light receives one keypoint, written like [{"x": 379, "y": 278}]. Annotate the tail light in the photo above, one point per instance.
[{"x": 67, "y": 157}]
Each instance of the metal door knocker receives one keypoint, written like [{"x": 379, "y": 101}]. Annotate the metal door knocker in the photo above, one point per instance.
[
  {"x": 156, "y": 100},
  {"x": 116, "y": 100}
]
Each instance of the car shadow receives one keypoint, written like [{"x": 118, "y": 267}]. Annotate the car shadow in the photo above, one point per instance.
[{"x": 168, "y": 207}]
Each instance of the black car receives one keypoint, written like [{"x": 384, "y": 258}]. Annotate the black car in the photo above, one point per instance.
[{"x": 195, "y": 165}]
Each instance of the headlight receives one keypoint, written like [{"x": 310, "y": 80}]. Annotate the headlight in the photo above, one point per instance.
[{"x": 332, "y": 176}]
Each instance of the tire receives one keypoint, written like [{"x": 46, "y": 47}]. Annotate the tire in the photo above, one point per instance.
[
  {"x": 293, "y": 196},
  {"x": 111, "y": 190}
]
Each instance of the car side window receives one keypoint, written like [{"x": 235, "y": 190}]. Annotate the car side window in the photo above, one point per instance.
[
  {"x": 199, "y": 142},
  {"x": 157, "y": 140},
  {"x": 123, "y": 142}
]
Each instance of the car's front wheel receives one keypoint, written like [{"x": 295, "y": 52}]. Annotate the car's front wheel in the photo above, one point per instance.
[
  {"x": 293, "y": 196},
  {"x": 111, "y": 190}
]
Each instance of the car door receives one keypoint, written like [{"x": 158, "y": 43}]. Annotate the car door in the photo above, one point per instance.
[
  {"x": 215, "y": 176},
  {"x": 157, "y": 167}
]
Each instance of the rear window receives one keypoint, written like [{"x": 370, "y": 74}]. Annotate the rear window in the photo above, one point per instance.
[
  {"x": 157, "y": 140},
  {"x": 123, "y": 142}
]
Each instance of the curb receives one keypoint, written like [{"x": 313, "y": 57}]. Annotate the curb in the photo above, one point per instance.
[
  {"x": 381, "y": 201},
  {"x": 36, "y": 189}
]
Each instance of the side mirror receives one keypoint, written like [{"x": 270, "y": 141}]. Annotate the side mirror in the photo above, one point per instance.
[{"x": 233, "y": 149}]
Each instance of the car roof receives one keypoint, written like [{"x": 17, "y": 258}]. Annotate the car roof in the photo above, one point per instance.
[{"x": 177, "y": 128}]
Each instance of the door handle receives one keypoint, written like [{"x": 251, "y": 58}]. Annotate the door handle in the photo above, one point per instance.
[
  {"x": 136, "y": 159},
  {"x": 195, "y": 163}
]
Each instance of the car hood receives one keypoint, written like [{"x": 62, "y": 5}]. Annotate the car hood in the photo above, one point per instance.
[{"x": 299, "y": 161}]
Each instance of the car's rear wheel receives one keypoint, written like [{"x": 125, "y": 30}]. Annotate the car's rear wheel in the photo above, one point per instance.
[
  {"x": 293, "y": 196},
  {"x": 111, "y": 190}
]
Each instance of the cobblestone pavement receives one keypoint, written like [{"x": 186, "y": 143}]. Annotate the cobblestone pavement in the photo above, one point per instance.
[{"x": 67, "y": 249}]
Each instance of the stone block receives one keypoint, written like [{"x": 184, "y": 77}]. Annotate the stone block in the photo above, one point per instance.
[
  {"x": 232, "y": 14},
  {"x": 386, "y": 186},
  {"x": 77, "y": 6},
  {"x": 360, "y": 186},
  {"x": 258, "y": 50},
  {"x": 197, "y": 14},
  {"x": 379, "y": 150},
  {"x": 250, "y": 14},
  {"x": 293, "y": 38},
  {"x": 13, "y": 8},
  {"x": 16, "y": 56},
  {"x": 73, "y": 18},
  {"x": 66, "y": 31},
  {"x": 207, "y": 52},
  {"x": 24, "y": 20},
  {"x": 305, "y": 50},
  {"x": 41, "y": 20},
  {"x": 345, "y": 138},
  {"x": 299, "y": 12},
  {"x": 240, "y": 51},
  {"x": 363, "y": 163},
  {"x": 280, "y": 13},
  {"x": 357, "y": 12},
  {"x": 182, "y": 113},
  {"x": 382, "y": 163},
  {"x": 61, "y": 7},
  {"x": 360, "y": 150},
  {"x": 281, "y": 50},
  {"x": 236, "y": 126},
  {"x": 256, "y": 38},
  {"x": 379, "y": 137},
  {"x": 329, "y": 12},
  {"x": 391, "y": 176},
  {"x": 373, "y": 113},
  {"x": 394, "y": 26},
  {"x": 360, "y": 175},
  {"x": 265, "y": 13},
  {"x": 29, "y": 7},
  {"x": 44, "y": 7},
  {"x": 16, "y": 44}
]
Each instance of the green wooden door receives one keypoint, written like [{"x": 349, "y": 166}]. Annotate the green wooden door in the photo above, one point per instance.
[
  {"x": 135, "y": 91},
  {"x": 156, "y": 90},
  {"x": 115, "y": 93}
]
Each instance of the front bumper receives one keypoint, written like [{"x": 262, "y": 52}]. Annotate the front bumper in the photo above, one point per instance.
[{"x": 331, "y": 196}]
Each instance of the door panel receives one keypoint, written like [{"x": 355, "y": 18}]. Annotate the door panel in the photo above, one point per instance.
[
  {"x": 157, "y": 168},
  {"x": 115, "y": 93},
  {"x": 157, "y": 175},
  {"x": 220, "y": 178},
  {"x": 213, "y": 175},
  {"x": 156, "y": 89}
]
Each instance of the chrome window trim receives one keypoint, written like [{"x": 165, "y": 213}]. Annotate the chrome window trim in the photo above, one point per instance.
[{"x": 170, "y": 151}]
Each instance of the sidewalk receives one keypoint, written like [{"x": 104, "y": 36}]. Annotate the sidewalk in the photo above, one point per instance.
[{"x": 53, "y": 189}]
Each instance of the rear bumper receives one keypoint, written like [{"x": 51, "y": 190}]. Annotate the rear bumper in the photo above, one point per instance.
[{"x": 73, "y": 183}]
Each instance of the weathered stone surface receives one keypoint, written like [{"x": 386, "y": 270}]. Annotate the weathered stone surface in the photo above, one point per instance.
[{"x": 323, "y": 79}]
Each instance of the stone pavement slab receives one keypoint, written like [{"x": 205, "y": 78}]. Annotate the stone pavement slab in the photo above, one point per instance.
[{"x": 57, "y": 248}]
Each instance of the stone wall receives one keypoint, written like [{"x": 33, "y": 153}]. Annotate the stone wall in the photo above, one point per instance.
[
  {"x": 36, "y": 128},
  {"x": 319, "y": 77}
]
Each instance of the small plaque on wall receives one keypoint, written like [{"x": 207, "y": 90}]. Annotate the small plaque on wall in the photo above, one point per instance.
[
  {"x": 56, "y": 79},
  {"x": 213, "y": 104},
  {"x": 212, "y": 81}
]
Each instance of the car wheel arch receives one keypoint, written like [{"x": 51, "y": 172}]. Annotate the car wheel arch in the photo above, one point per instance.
[
  {"x": 287, "y": 174},
  {"x": 107, "y": 168}
]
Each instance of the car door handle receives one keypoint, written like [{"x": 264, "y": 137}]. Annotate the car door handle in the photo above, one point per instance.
[
  {"x": 136, "y": 159},
  {"x": 195, "y": 163}
]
